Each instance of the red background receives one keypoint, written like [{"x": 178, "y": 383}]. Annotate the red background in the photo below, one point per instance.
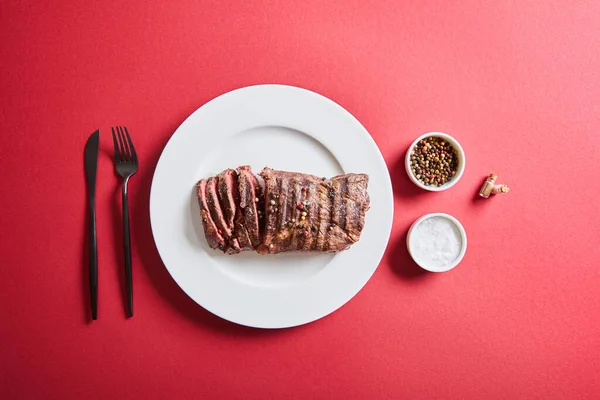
[{"x": 517, "y": 83}]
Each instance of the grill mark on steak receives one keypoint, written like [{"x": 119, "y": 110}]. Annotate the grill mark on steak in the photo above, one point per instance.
[
  {"x": 283, "y": 204},
  {"x": 349, "y": 208},
  {"x": 294, "y": 213},
  {"x": 279, "y": 209},
  {"x": 326, "y": 200},
  {"x": 352, "y": 212},
  {"x": 311, "y": 208},
  {"x": 288, "y": 214},
  {"x": 301, "y": 226},
  {"x": 344, "y": 201},
  {"x": 305, "y": 223},
  {"x": 280, "y": 200},
  {"x": 213, "y": 238},
  {"x": 269, "y": 217},
  {"x": 336, "y": 201},
  {"x": 315, "y": 216},
  {"x": 278, "y": 196},
  {"x": 336, "y": 206}
]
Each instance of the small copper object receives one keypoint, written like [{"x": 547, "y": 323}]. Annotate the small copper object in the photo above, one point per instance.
[
  {"x": 489, "y": 187},
  {"x": 500, "y": 189}
]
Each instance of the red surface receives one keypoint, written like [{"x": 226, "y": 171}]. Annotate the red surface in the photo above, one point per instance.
[{"x": 517, "y": 83}]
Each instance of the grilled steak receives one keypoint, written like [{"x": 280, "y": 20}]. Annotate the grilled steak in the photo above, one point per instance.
[
  {"x": 298, "y": 212},
  {"x": 311, "y": 214}
]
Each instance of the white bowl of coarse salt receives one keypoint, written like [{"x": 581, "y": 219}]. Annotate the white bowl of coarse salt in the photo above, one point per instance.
[{"x": 437, "y": 242}]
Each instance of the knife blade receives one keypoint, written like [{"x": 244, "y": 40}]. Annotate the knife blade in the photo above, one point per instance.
[{"x": 91, "y": 166}]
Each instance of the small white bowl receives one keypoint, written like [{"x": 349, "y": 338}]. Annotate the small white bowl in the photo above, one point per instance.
[
  {"x": 459, "y": 171},
  {"x": 461, "y": 254}
]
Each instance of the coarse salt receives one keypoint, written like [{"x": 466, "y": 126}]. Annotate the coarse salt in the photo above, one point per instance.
[{"x": 435, "y": 242}]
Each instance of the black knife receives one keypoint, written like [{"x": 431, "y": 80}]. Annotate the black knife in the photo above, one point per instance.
[{"x": 91, "y": 166}]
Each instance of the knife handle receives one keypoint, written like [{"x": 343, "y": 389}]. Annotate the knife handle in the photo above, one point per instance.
[{"x": 93, "y": 261}]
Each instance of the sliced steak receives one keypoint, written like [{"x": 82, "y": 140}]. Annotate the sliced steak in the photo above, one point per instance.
[
  {"x": 298, "y": 212},
  {"x": 250, "y": 191},
  {"x": 211, "y": 232},
  {"x": 216, "y": 211},
  {"x": 225, "y": 184},
  {"x": 228, "y": 191},
  {"x": 311, "y": 214}
]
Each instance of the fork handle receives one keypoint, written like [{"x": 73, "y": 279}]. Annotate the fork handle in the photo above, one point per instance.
[{"x": 127, "y": 248}]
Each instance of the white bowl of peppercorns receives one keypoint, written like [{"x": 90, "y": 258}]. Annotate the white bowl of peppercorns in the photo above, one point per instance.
[{"x": 435, "y": 161}]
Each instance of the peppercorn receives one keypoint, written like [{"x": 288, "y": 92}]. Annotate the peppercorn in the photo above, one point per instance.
[{"x": 433, "y": 161}]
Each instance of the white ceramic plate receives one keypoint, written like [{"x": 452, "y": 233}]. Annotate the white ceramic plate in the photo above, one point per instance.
[{"x": 285, "y": 128}]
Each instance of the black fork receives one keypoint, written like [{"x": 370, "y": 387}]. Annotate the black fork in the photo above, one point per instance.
[{"x": 126, "y": 164}]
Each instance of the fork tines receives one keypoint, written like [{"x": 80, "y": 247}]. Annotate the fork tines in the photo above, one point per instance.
[{"x": 124, "y": 150}]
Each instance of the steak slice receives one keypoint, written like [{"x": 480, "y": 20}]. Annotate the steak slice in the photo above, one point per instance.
[
  {"x": 225, "y": 183},
  {"x": 310, "y": 214},
  {"x": 211, "y": 232},
  {"x": 251, "y": 210},
  {"x": 228, "y": 191},
  {"x": 216, "y": 211}
]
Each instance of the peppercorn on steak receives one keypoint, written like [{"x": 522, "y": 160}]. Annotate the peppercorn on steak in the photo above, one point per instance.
[{"x": 295, "y": 213}]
